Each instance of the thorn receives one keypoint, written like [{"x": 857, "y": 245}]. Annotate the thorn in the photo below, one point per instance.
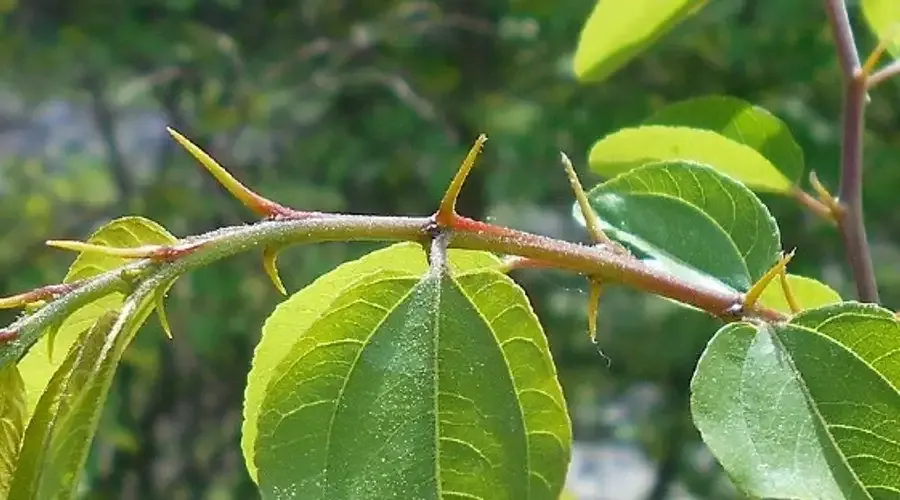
[
  {"x": 160, "y": 300},
  {"x": 35, "y": 297},
  {"x": 269, "y": 258},
  {"x": 825, "y": 197},
  {"x": 7, "y": 335},
  {"x": 869, "y": 66},
  {"x": 156, "y": 252},
  {"x": 788, "y": 292},
  {"x": 52, "y": 332},
  {"x": 813, "y": 204},
  {"x": 594, "y": 308},
  {"x": 757, "y": 289},
  {"x": 258, "y": 204},
  {"x": 591, "y": 220},
  {"x": 447, "y": 211}
]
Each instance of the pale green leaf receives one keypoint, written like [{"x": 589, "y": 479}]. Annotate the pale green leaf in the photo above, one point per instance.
[
  {"x": 12, "y": 424},
  {"x": 883, "y": 17},
  {"x": 417, "y": 388},
  {"x": 808, "y": 292},
  {"x": 807, "y": 409},
  {"x": 293, "y": 317},
  {"x": 37, "y": 366},
  {"x": 629, "y": 148},
  {"x": 690, "y": 220},
  {"x": 746, "y": 124},
  {"x": 619, "y": 30}
]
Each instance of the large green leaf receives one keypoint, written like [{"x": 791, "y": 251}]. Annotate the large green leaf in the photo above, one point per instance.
[
  {"x": 884, "y": 18},
  {"x": 413, "y": 387},
  {"x": 618, "y": 30},
  {"x": 807, "y": 409},
  {"x": 37, "y": 366},
  {"x": 293, "y": 317},
  {"x": 746, "y": 124},
  {"x": 12, "y": 424},
  {"x": 629, "y": 148},
  {"x": 59, "y": 435},
  {"x": 690, "y": 219}
]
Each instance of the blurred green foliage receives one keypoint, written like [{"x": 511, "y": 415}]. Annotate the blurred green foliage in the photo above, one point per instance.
[{"x": 367, "y": 106}]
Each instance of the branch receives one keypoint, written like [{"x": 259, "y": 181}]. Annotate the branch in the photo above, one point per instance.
[
  {"x": 469, "y": 234},
  {"x": 850, "y": 218},
  {"x": 885, "y": 73}
]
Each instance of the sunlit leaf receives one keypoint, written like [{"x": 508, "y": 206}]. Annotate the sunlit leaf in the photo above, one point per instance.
[
  {"x": 746, "y": 124},
  {"x": 293, "y": 317},
  {"x": 629, "y": 148},
  {"x": 619, "y": 30},
  {"x": 808, "y": 293},
  {"x": 411, "y": 387},
  {"x": 807, "y": 409},
  {"x": 12, "y": 424},
  {"x": 59, "y": 435},
  {"x": 37, "y": 366},
  {"x": 883, "y": 17},
  {"x": 690, "y": 220}
]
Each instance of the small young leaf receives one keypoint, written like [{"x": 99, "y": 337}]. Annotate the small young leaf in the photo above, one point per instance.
[
  {"x": 629, "y": 148},
  {"x": 746, "y": 124},
  {"x": 766, "y": 401},
  {"x": 59, "y": 435},
  {"x": 12, "y": 424},
  {"x": 36, "y": 366},
  {"x": 417, "y": 388},
  {"x": 883, "y": 17},
  {"x": 619, "y": 30},
  {"x": 808, "y": 292},
  {"x": 688, "y": 215},
  {"x": 293, "y": 317}
]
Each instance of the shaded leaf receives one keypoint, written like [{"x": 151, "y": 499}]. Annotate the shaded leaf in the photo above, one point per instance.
[
  {"x": 691, "y": 221},
  {"x": 629, "y": 148},
  {"x": 418, "y": 388},
  {"x": 883, "y": 17},
  {"x": 808, "y": 292},
  {"x": 619, "y": 30},
  {"x": 37, "y": 366},
  {"x": 293, "y": 317},
  {"x": 12, "y": 424},
  {"x": 59, "y": 435},
  {"x": 770, "y": 406},
  {"x": 746, "y": 124}
]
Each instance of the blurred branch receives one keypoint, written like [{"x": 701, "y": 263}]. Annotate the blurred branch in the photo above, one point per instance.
[
  {"x": 885, "y": 73},
  {"x": 105, "y": 121},
  {"x": 850, "y": 219}
]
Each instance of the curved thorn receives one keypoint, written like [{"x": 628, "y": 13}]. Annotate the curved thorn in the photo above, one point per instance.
[
  {"x": 591, "y": 220},
  {"x": 757, "y": 289},
  {"x": 869, "y": 66},
  {"x": 269, "y": 258},
  {"x": 788, "y": 292},
  {"x": 447, "y": 210},
  {"x": 160, "y": 300},
  {"x": 258, "y": 204},
  {"x": 594, "y": 308},
  {"x": 825, "y": 196}
]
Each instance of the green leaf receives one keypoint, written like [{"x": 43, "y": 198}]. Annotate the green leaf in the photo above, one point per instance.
[
  {"x": 629, "y": 148},
  {"x": 808, "y": 292},
  {"x": 691, "y": 220},
  {"x": 746, "y": 124},
  {"x": 417, "y": 388},
  {"x": 12, "y": 424},
  {"x": 36, "y": 366},
  {"x": 883, "y": 17},
  {"x": 59, "y": 434},
  {"x": 619, "y": 30},
  {"x": 807, "y": 409},
  {"x": 293, "y": 317}
]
